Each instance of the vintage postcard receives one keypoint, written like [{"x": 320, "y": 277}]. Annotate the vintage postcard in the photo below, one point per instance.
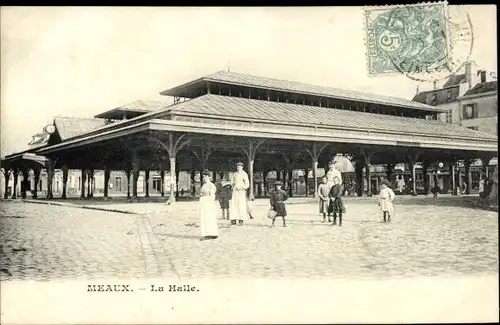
[{"x": 194, "y": 165}]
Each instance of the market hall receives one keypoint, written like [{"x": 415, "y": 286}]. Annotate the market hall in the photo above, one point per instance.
[{"x": 270, "y": 124}]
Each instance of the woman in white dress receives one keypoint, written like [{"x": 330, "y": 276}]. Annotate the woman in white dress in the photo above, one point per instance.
[{"x": 208, "y": 209}]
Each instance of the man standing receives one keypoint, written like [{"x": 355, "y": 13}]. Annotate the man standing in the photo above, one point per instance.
[
  {"x": 240, "y": 184},
  {"x": 332, "y": 173}
]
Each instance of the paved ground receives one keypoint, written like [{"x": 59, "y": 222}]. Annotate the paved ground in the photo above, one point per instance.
[{"x": 428, "y": 237}]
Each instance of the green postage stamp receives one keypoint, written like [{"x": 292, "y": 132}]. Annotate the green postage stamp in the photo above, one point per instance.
[{"x": 415, "y": 40}]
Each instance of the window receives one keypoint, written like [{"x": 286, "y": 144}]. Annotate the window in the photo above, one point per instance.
[
  {"x": 475, "y": 128},
  {"x": 434, "y": 99},
  {"x": 118, "y": 182},
  {"x": 483, "y": 76},
  {"x": 470, "y": 111},
  {"x": 448, "y": 94},
  {"x": 449, "y": 117}
]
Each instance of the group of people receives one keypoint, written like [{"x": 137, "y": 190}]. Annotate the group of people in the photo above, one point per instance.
[
  {"x": 233, "y": 201},
  {"x": 232, "y": 197}
]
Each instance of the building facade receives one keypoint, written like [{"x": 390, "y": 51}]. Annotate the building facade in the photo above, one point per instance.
[
  {"x": 478, "y": 107},
  {"x": 470, "y": 100}
]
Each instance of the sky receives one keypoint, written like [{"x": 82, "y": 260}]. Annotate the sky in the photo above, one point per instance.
[{"x": 77, "y": 61}]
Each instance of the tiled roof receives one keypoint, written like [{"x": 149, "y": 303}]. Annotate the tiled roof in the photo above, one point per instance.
[
  {"x": 438, "y": 96},
  {"x": 140, "y": 106},
  {"x": 455, "y": 80},
  {"x": 483, "y": 87},
  {"x": 421, "y": 97},
  {"x": 244, "y": 108},
  {"x": 69, "y": 127},
  {"x": 144, "y": 105},
  {"x": 297, "y": 87}
]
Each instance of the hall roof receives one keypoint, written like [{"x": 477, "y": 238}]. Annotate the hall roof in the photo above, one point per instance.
[
  {"x": 252, "y": 109},
  {"x": 70, "y": 127},
  {"x": 133, "y": 109},
  {"x": 245, "y": 80}
]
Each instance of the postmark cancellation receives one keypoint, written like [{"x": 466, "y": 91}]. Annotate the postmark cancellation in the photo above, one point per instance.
[{"x": 425, "y": 42}]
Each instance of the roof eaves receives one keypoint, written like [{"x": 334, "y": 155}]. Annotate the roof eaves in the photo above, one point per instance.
[
  {"x": 474, "y": 95},
  {"x": 171, "y": 91},
  {"x": 101, "y": 115}
]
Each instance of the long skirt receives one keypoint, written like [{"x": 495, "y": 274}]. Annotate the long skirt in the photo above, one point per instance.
[
  {"x": 337, "y": 206},
  {"x": 238, "y": 209},
  {"x": 208, "y": 217},
  {"x": 323, "y": 206},
  {"x": 280, "y": 209},
  {"x": 224, "y": 203}
]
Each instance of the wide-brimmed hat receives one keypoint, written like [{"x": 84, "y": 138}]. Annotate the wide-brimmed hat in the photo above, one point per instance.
[
  {"x": 239, "y": 164},
  {"x": 278, "y": 183}
]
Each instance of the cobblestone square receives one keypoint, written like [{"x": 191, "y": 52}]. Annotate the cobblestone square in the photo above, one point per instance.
[{"x": 426, "y": 237}]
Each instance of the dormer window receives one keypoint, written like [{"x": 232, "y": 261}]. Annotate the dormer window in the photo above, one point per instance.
[{"x": 434, "y": 99}]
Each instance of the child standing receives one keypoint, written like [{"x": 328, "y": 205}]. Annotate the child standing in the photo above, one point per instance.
[
  {"x": 249, "y": 208},
  {"x": 336, "y": 204},
  {"x": 323, "y": 190},
  {"x": 278, "y": 198},
  {"x": 385, "y": 198},
  {"x": 224, "y": 197}
]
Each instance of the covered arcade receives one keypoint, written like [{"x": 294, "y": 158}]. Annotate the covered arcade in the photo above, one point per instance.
[{"x": 272, "y": 124}]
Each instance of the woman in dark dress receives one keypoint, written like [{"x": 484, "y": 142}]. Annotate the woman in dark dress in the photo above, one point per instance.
[
  {"x": 278, "y": 198},
  {"x": 336, "y": 204}
]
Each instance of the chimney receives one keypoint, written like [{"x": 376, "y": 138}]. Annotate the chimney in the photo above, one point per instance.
[
  {"x": 470, "y": 73},
  {"x": 418, "y": 89},
  {"x": 434, "y": 85},
  {"x": 483, "y": 76}
]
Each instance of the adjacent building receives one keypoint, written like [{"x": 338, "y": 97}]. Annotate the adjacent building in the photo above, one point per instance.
[
  {"x": 470, "y": 100},
  {"x": 478, "y": 107}
]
